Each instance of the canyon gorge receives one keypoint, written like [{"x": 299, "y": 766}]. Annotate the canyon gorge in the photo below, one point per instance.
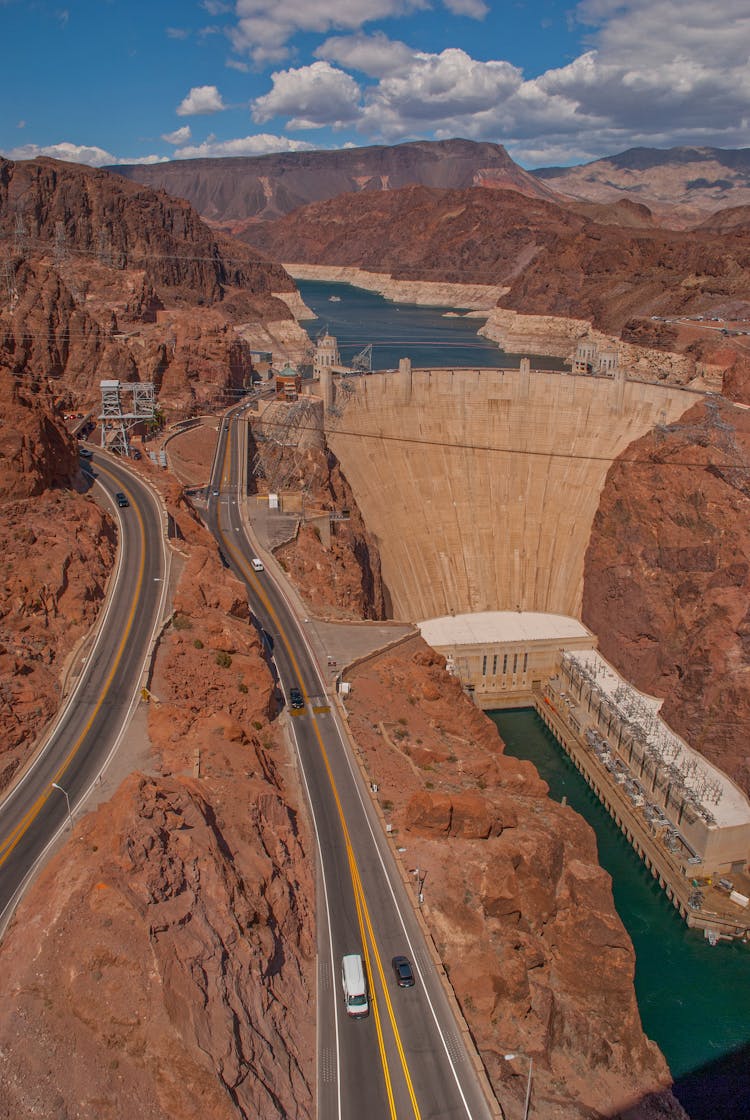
[{"x": 173, "y": 937}]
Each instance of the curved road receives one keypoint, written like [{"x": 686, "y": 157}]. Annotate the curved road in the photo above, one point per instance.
[
  {"x": 35, "y": 813},
  {"x": 407, "y": 1059}
]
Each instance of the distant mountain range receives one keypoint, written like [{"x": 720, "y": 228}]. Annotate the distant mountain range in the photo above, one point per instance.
[
  {"x": 235, "y": 190},
  {"x": 681, "y": 186}
]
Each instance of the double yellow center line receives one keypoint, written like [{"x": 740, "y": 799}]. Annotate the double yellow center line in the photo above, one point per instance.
[
  {"x": 367, "y": 934},
  {"x": 11, "y": 841}
]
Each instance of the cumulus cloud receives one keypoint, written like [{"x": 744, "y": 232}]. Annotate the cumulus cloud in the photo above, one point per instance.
[
  {"x": 76, "y": 153},
  {"x": 447, "y": 87},
  {"x": 264, "y": 30},
  {"x": 376, "y": 55},
  {"x": 258, "y": 145},
  {"x": 201, "y": 101},
  {"x": 658, "y": 73},
  {"x": 312, "y": 96},
  {"x": 179, "y": 136}
]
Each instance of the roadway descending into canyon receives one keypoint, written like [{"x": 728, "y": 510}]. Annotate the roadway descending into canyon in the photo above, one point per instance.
[
  {"x": 42, "y": 803},
  {"x": 408, "y": 1058}
]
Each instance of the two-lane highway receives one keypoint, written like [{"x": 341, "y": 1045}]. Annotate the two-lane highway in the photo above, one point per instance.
[
  {"x": 408, "y": 1058},
  {"x": 34, "y": 812}
]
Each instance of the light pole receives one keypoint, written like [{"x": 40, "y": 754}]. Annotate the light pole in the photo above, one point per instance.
[
  {"x": 67, "y": 802},
  {"x": 509, "y": 1058}
]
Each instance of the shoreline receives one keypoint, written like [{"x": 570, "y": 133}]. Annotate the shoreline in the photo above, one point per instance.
[{"x": 515, "y": 333}]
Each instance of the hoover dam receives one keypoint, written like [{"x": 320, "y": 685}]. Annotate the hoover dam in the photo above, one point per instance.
[{"x": 481, "y": 485}]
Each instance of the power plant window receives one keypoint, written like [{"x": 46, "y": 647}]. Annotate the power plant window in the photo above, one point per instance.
[
  {"x": 515, "y": 662},
  {"x": 525, "y": 661},
  {"x": 494, "y": 666},
  {"x": 505, "y": 664},
  {"x": 484, "y": 665}
]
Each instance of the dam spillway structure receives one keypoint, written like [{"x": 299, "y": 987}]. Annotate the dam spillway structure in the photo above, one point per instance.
[{"x": 481, "y": 485}]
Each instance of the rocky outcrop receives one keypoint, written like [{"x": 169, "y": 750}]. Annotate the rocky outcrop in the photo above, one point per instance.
[
  {"x": 667, "y": 576},
  {"x": 56, "y": 552},
  {"x": 70, "y": 208},
  {"x": 336, "y": 569},
  {"x": 332, "y": 558},
  {"x": 111, "y": 280},
  {"x": 519, "y": 910}
]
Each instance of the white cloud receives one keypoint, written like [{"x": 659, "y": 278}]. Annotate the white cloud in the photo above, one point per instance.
[
  {"x": 449, "y": 89},
  {"x": 659, "y": 73},
  {"x": 76, "y": 153},
  {"x": 177, "y": 33},
  {"x": 179, "y": 136},
  {"x": 375, "y": 55},
  {"x": 313, "y": 96},
  {"x": 201, "y": 101},
  {"x": 475, "y": 9},
  {"x": 237, "y": 64},
  {"x": 264, "y": 30},
  {"x": 258, "y": 145}
]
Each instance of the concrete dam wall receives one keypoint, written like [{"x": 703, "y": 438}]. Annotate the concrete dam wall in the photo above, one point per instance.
[{"x": 481, "y": 485}]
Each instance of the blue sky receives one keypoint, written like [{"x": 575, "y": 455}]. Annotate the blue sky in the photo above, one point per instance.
[{"x": 105, "y": 81}]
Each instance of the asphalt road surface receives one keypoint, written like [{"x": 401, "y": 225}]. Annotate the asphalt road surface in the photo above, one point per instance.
[
  {"x": 408, "y": 1058},
  {"x": 35, "y": 813}
]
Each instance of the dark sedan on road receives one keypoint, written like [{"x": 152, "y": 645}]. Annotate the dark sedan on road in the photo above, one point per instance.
[
  {"x": 404, "y": 972},
  {"x": 296, "y": 698}
]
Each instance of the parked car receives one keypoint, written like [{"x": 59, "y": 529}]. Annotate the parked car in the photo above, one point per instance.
[
  {"x": 296, "y": 699},
  {"x": 404, "y": 972}
]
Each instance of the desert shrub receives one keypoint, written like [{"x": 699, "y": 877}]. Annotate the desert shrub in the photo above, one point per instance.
[{"x": 223, "y": 659}]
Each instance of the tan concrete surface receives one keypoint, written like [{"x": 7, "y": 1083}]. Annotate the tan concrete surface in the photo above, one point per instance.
[{"x": 481, "y": 485}]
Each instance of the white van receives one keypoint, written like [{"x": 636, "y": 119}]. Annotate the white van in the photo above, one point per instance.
[
  {"x": 355, "y": 986},
  {"x": 256, "y": 564}
]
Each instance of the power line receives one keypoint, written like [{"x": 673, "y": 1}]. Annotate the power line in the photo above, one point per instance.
[{"x": 493, "y": 449}]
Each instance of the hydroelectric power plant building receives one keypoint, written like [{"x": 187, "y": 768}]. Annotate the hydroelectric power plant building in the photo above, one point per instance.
[{"x": 687, "y": 820}]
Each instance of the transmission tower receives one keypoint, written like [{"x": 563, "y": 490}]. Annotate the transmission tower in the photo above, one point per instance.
[
  {"x": 105, "y": 247},
  {"x": 9, "y": 283},
  {"x": 20, "y": 240},
  {"x": 61, "y": 248},
  {"x": 116, "y": 420}
]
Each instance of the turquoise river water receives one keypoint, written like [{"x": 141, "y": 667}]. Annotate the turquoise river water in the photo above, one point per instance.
[{"x": 694, "y": 1000}]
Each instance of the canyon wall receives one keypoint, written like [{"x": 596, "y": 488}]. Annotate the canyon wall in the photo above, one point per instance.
[{"x": 480, "y": 486}]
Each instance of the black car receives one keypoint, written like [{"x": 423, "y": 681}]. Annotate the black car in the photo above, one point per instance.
[
  {"x": 85, "y": 453},
  {"x": 296, "y": 698},
  {"x": 404, "y": 972},
  {"x": 121, "y": 499}
]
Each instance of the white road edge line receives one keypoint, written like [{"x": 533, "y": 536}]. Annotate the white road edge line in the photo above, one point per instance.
[{"x": 7, "y": 913}]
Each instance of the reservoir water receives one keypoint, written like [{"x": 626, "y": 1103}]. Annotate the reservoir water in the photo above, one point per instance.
[
  {"x": 694, "y": 999},
  {"x": 430, "y": 336}
]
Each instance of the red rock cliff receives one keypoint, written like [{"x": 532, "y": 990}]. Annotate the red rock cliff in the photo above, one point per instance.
[{"x": 667, "y": 577}]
